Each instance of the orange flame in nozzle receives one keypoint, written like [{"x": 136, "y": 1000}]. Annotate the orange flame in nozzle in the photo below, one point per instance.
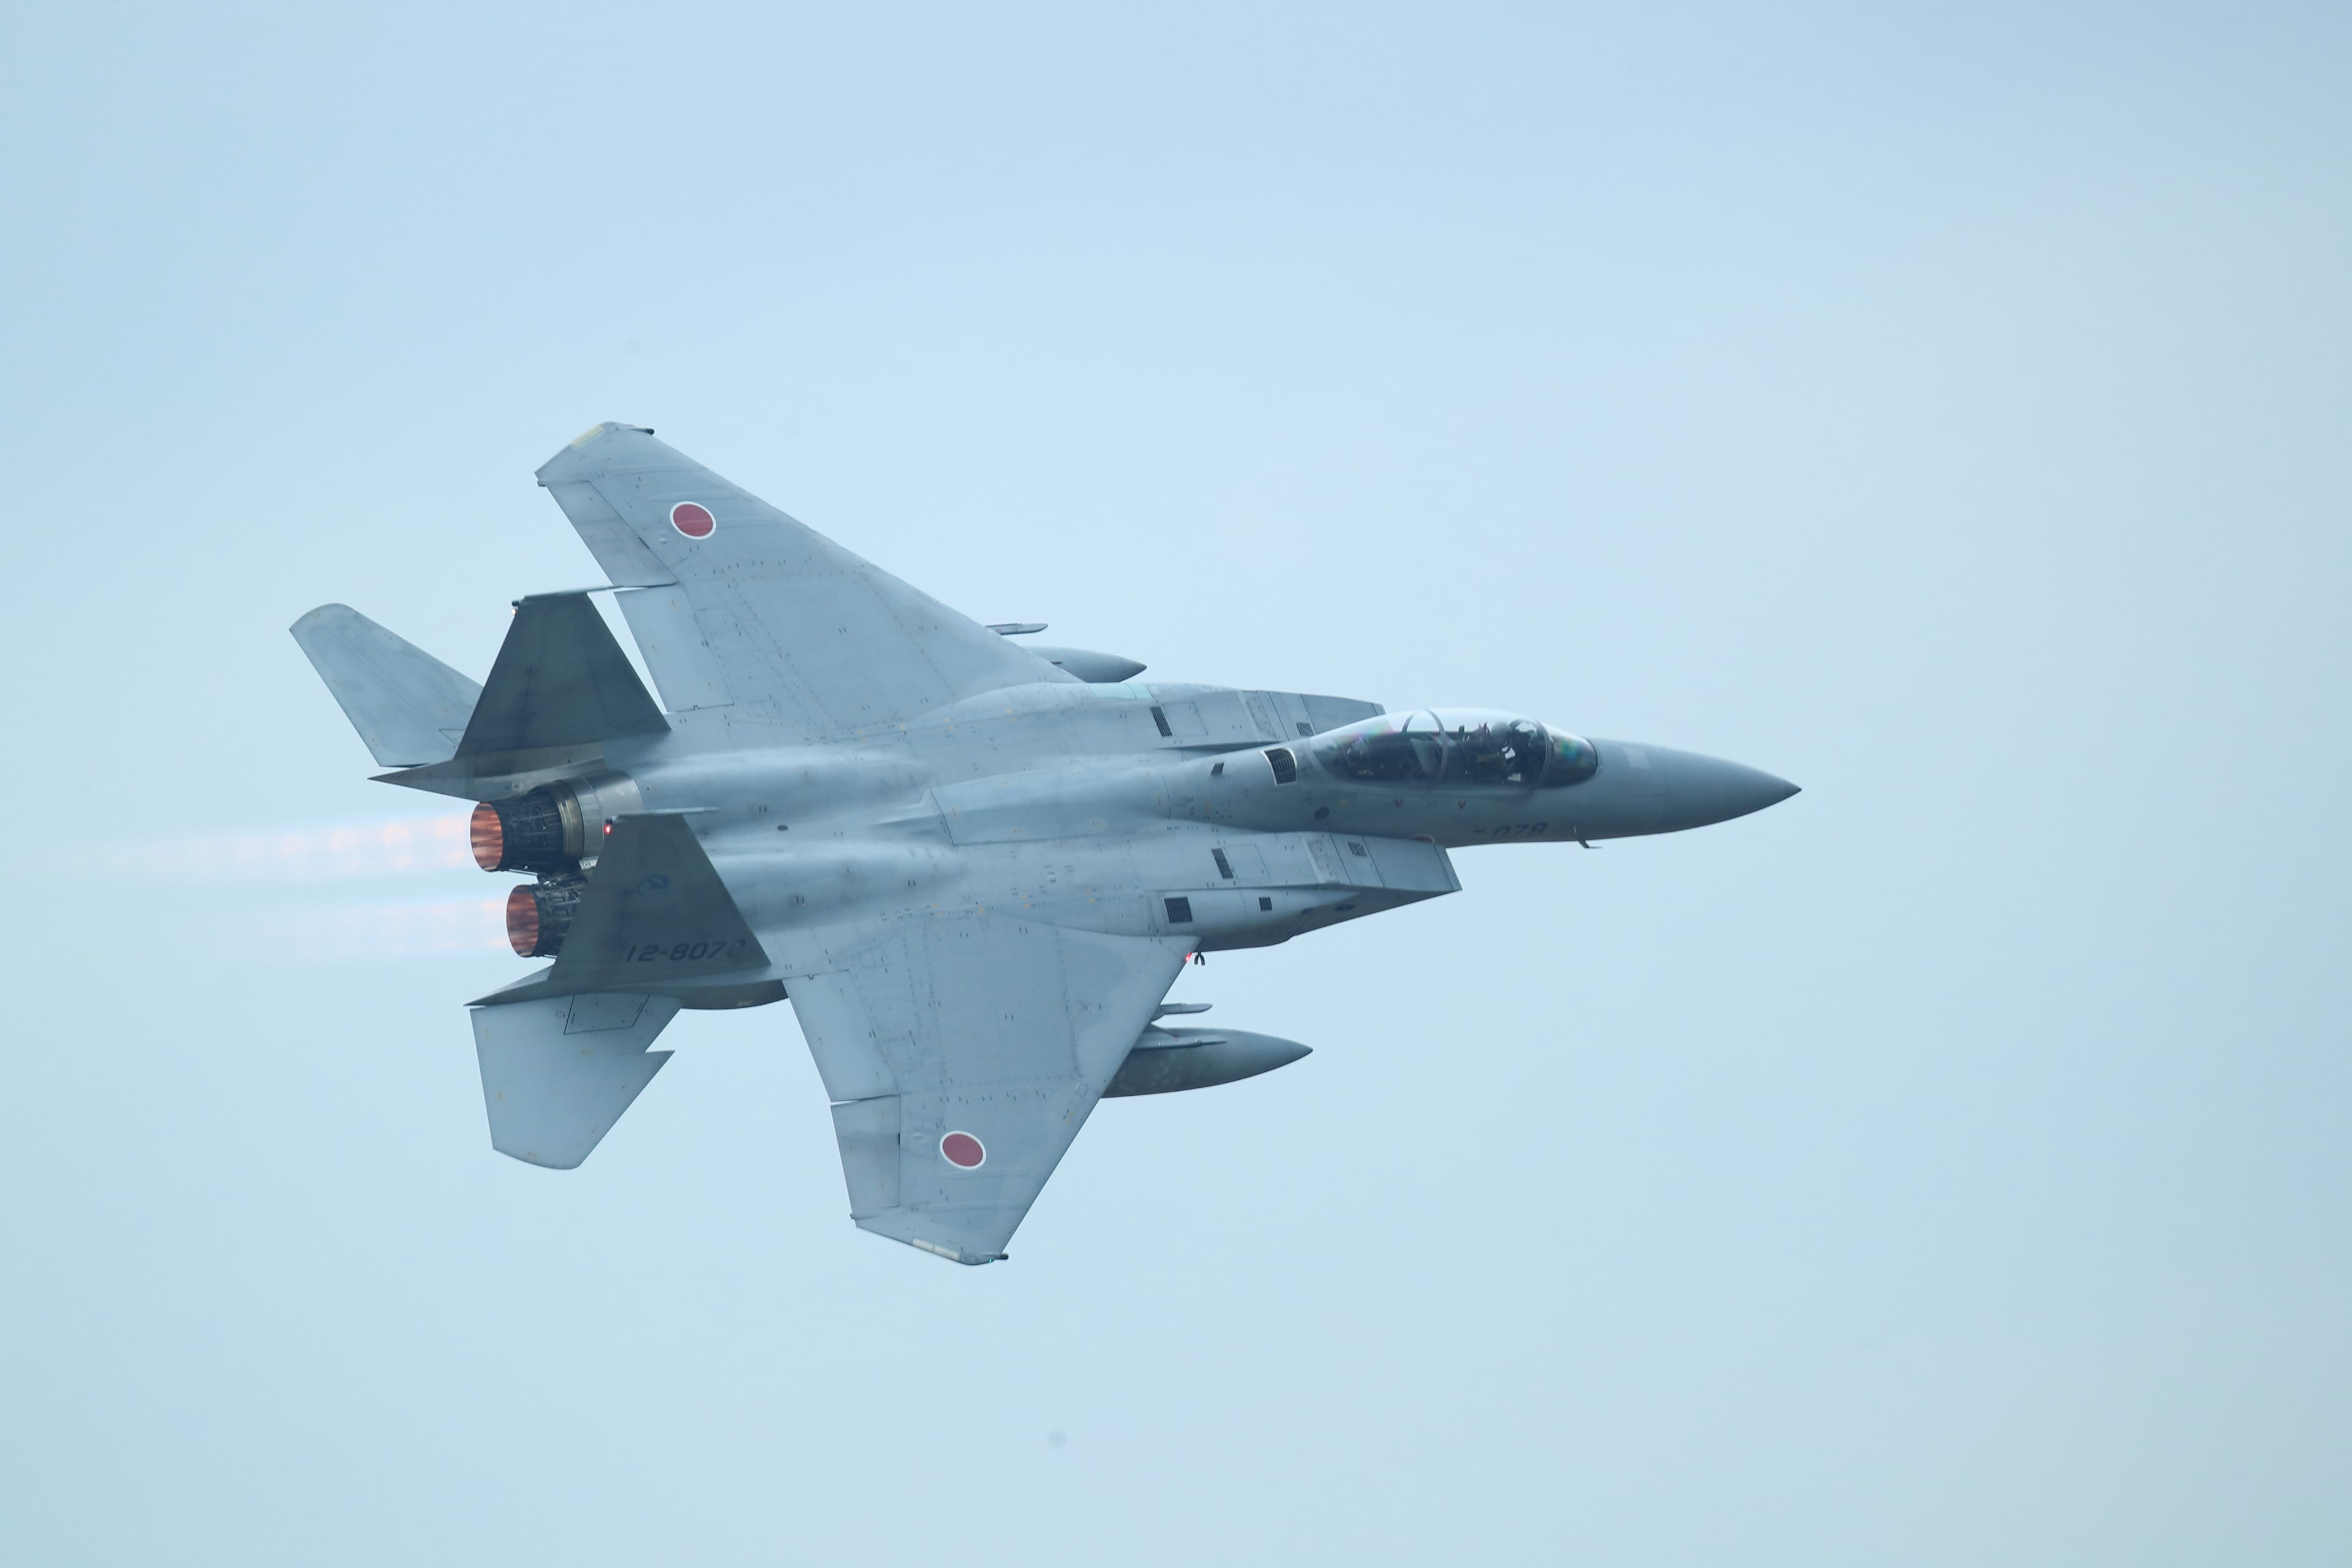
[
  {"x": 522, "y": 922},
  {"x": 488, "y": 837}
]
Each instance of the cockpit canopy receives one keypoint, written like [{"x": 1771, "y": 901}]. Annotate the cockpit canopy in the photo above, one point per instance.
[{"x": 1461, "y": 747}]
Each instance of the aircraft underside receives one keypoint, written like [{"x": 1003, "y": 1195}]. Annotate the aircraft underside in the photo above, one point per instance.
[{"x": 972, "y": 869}]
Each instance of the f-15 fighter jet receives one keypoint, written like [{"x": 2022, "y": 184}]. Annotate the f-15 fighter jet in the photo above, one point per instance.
[{"x": 973, "y": 864}]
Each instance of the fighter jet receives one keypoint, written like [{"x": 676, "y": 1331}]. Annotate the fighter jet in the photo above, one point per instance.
[{"x": 973, "y": 864}]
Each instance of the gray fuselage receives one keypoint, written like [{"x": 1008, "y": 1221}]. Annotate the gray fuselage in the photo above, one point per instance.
[{"x": 1089, "y": 807}]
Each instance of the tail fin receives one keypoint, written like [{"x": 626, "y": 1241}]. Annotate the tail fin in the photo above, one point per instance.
[
  {"x": 409, "y": 707},
  {"x": 559, "y": 680}
]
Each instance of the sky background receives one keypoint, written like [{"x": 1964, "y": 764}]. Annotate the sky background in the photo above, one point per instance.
[{"x": 1944, "y": 409}]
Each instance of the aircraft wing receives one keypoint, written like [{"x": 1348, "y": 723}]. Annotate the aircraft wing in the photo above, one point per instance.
[
  {"x": 736, "y": 604},
  {"x": 962, "y": 1053}
]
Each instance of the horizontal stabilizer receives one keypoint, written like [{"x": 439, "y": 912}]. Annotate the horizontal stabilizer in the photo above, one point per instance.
[
  {"x": 557, "y": 1073},
  {"x": 409, "y": 707},
  {"x": 559, "y": 680}
]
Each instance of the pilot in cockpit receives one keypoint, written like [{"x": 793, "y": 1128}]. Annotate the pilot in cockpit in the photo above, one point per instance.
[{"x": 1456, "y": 747}]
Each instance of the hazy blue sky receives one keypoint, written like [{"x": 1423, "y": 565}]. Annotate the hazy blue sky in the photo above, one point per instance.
[{"x": 1944, "y": 409}]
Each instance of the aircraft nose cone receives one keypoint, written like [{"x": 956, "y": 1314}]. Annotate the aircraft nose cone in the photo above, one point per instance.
[{"x": 1701, "y": 790}]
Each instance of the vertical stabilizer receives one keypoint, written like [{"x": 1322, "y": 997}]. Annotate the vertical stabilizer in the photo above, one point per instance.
[{"x": 559, "y": 680}]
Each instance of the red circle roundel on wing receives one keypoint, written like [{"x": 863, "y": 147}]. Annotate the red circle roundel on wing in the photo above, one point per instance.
[
  {"x": 962, "y": 1148},
  {"x": 692, "y": 521}
]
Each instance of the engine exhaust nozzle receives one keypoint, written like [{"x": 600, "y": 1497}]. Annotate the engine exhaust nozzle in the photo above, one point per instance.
[
  {"x": 553, "y": 828},
  {"x": 538, "y": 916},
  {"x": 525, "y": 834}
]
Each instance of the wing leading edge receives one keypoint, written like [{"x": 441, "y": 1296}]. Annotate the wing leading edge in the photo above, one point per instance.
[{"x": 962, "y": 1053}]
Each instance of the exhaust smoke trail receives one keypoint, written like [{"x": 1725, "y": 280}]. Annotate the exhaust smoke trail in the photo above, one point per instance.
[
  {"x": 386, "y": 847},
  {"x": 210, "y": 864},
  {"x": 410, "y": 930}
]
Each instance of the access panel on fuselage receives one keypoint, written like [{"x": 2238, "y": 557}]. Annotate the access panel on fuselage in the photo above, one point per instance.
[
  {"x": 1024, "y": 727},
  {"x": 1256, "y": 890}
]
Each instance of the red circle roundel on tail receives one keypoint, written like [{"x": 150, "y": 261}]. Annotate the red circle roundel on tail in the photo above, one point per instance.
[
  {"x": 692, "y": 521},
  {"x": 962, "y": 1148}
]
